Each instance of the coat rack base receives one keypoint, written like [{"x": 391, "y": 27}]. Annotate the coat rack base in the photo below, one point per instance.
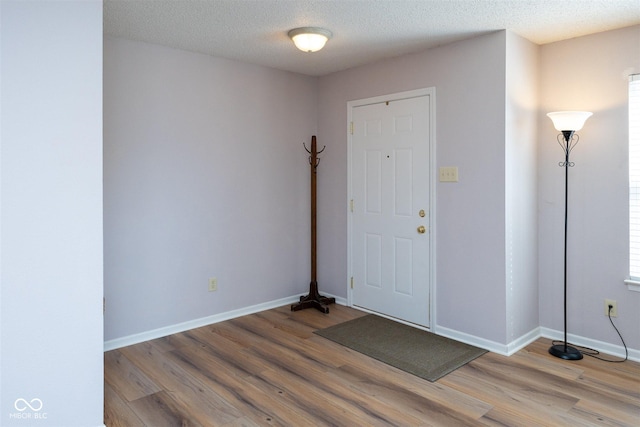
[{"x": 314, "y": 299}]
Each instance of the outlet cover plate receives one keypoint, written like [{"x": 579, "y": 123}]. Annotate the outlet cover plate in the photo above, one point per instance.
[{"x": 614, "y": 309}]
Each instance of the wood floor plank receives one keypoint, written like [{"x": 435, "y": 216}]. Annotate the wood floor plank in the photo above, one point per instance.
[
  {"x": 508, "y": 416},
  {"x": 295, "y": 395},
  {"x": 509, "y": 403},
  {"x": 290, "y": 327},
  {"x": 204, "y": 404},
  {"x": 320, "y": 349},
  {"x": 507, "y": 387},
  {"x": 325, "y": 405},
  {"x": 511, "y": 370},
  {"x": 125, "y": 377},
  {"x": 242, "y": 422},
  {"x": 316, "y": 379},
  {"x": 404, "y": 387},
  {"x": 316, "y": 320},
  {"x": 220, "y": 348},
  {"x": 117, "y": 412},
  {"x": 311, "y": 370},
  {"x": 601, "y": 410},
  {"x": 542, "y": 361},
  {"x": 161, "y": 410},
  {"x": 418, "y": 398},
  {"x": 257, "y": 406},
  {"x": 270, "y": 369},
  {"x": 233, "y": 333},
  {"x": 259, "y": 327}
]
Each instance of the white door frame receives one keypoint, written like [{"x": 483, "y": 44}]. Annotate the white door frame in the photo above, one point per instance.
[{"x": 431, "y": 92}]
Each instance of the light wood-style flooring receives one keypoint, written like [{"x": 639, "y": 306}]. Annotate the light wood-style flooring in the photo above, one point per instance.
[{"x": 270, "y": 369}]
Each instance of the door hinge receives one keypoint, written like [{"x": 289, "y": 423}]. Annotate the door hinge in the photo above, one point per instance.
[
  {"x": 351, "y": 282},
  {"x": 351, "y": 128},
  {"x": 351, "y": 205}
]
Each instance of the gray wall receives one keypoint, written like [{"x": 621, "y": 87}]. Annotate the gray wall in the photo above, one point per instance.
[
  {"x": 588, "y": 73},
  {"x": 469, "y": 78},
  {"x": 521, "y": 188},
  {"x": 51, "y": 214},
  {"x": 205, "y": 176}
]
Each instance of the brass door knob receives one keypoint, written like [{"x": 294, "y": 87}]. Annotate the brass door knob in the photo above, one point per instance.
[{"x": 422, "y": 229}]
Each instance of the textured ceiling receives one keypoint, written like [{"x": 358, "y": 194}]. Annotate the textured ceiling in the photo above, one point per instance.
[{"x": 363, "y": 31}]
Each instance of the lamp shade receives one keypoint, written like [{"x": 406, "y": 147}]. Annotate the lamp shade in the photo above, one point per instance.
[
  {"x": 310, "y": 39},
  {"x": 569, "y": 120}
]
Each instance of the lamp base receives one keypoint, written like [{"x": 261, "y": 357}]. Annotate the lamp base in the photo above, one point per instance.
[{"x": 565, "y": 352}]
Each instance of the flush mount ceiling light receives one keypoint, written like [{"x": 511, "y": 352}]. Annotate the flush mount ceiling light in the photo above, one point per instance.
[{"x": 309, "y": 39}]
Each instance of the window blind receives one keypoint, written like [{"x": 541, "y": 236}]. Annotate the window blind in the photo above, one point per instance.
[{"x": 634, "y": 176}]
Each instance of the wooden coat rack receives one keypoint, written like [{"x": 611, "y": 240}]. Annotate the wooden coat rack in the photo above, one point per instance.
[{"x": 314, "y": 299}]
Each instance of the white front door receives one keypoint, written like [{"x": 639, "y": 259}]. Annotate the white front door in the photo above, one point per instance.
[{"x": 391, "y": 206}]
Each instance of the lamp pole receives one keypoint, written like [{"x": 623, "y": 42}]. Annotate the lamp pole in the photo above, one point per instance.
[
  {"x": 567, "y": 140},
  {"x": 568, "y": 123}
]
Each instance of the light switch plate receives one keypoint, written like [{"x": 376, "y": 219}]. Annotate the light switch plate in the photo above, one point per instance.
[{"x": 449, "y": 174}]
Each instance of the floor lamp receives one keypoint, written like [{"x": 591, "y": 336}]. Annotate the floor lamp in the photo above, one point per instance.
[{"x": 568, "y": 123}]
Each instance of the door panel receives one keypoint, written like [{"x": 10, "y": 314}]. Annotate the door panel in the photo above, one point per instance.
[{"x": 390, "y": 168}]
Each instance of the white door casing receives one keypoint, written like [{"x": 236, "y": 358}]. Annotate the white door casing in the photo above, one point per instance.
[{"x": 391, "y": 188}]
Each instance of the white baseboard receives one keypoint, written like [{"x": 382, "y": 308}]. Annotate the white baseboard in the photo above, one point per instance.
[
  {"x": 503, "y": 349},
  {"x": 602, "y": 347},
  {"x": 524, "y": 340},
  {"x": 204, "y": 321},
  {"x": 492, "y": 346},
  {"x": 339, "y": 300}
]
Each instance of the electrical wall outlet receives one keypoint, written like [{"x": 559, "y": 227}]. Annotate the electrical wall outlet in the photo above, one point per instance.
[
  {"x": 614, "y": 308},
  {"x": 213, "y": 284}
]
